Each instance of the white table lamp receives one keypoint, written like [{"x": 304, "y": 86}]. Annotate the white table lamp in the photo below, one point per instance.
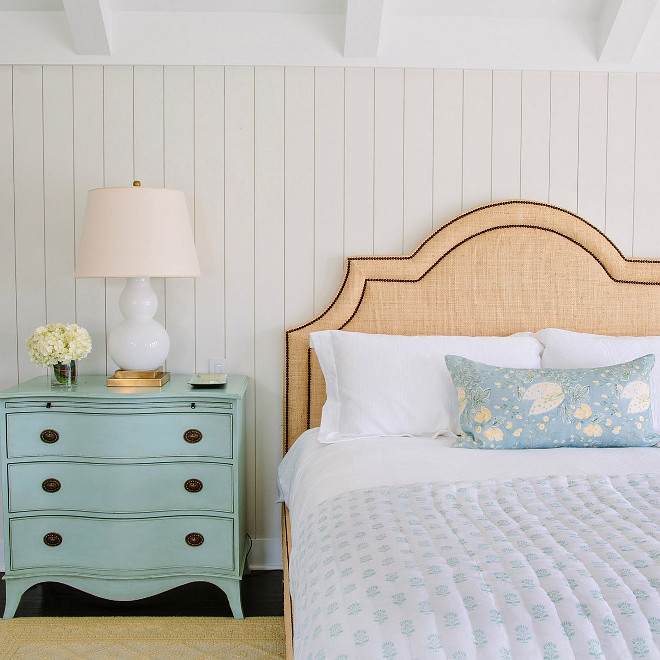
[{"x": 137, "y": 233}]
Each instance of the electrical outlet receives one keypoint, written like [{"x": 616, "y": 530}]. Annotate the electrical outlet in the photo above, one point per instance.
[{"x": 217, "y": 365}]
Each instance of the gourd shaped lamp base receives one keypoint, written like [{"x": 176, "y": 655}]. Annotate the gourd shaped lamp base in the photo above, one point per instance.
[{"x": 139, "y": 342}]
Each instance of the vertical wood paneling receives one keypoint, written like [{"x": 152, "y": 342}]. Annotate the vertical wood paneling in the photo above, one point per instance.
[
  {"x": 417, "y": 157},
  {"x": 148, "y": 145},
  {"x": 117, "y": 164},
  {"x": 620, "y": 195},
  {"x": 88, "y": 174},
  {"x": 179, "y": 128},
  {"x": 447, "y": 144},
  {"x": 299, "y": 194},
  {"x": 535, "y": 136},
  {"x": 239, "y": 246},
  {"x": 118, "y": 125},
  {"x": 269, "y": 289},
  {"x": 359, "y": 145},
  {"x": 505, "y": 173},
  {"x": 328, "y": 184},
  {"x": 58, "y": 193},
  {"x": 388, "y": 161},
  {"x": 287, "y": 171},
  {"x": 209, "y": 214},
  {"x": 8, "y": 337},
  {"x": 592, "y": 148},
  {"x": 29, "y": 210},
  {"x": 647, "y": 182},
  {"x": 477, "y": 138},
  {"x": 564, "y": 113}
]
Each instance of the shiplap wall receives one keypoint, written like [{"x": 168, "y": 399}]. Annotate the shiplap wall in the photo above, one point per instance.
[{"x": 287, "y": 171}]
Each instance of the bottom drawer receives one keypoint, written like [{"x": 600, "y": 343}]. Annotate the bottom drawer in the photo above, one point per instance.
[{"x": 138, "y": 544}]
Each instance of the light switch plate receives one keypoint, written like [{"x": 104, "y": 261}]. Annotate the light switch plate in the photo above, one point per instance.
[{"x": 218, "y": 365}]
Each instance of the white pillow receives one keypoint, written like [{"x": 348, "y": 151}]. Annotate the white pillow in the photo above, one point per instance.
[
  {"x": 396, "y": 385},
  {"x": 569, "y": 350}
]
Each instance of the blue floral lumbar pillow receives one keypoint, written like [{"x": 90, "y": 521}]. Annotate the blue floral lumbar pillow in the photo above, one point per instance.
[{"x": 502, "y": 408}]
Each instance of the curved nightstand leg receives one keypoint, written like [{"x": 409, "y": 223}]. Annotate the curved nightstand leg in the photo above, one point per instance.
[
  {"x": 233, "y": 590},
  {"x": 14, "y": 592}
]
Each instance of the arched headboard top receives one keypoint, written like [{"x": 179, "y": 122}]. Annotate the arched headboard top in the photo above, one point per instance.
[{"x": 498, "y": 269}]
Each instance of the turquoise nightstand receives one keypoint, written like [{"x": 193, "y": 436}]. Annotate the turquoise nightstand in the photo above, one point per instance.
[{"x": 124, "y": 492}]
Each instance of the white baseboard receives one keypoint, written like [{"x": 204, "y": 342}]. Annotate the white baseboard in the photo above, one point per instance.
[{"x": 265, "y": 555}]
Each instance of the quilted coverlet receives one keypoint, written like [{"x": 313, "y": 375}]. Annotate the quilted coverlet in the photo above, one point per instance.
[{"x": 552, "y": 568}]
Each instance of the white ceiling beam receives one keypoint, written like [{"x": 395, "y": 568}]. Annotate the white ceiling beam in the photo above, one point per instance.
[
  {"x": 362, "y": 36},
  {"x": 621, "y": 27},
  {"x": 90, "y": 22}
]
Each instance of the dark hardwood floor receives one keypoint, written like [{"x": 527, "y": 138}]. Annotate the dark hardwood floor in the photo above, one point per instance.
[{"x": 262, "y": 594}]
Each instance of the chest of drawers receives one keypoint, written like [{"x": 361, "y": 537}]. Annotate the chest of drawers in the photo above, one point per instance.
[{"x": 123, "y": 492}]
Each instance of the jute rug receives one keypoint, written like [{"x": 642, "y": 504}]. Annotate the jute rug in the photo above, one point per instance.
[{"x": 101, "y": 638}]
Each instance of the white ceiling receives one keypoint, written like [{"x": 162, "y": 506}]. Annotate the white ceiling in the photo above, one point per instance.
[
  {"x": 582, "y": 35},
  {"x": 503, "y": 8},
  {"x": 520, "y": 8}
]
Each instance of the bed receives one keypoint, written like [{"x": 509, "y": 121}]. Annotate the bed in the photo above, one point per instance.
[{"x": 465, "y": 553}]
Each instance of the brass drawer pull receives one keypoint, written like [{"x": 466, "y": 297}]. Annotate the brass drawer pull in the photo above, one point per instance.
[
  {"x": 193, "y": 485},
  {"x": 52, "y": 539},
  {"x": 194, "y": 539},
  {"x": 49, "y": 436},
  {"x": 51, "y": 485},
  {"x": 192, "y": 436}
]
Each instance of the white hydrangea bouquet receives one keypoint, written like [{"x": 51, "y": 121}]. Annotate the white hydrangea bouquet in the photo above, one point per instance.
[{"x": 59, "y": 345}]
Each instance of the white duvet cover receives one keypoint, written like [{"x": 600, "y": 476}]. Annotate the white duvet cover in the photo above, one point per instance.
[{"x": 408, "y": 548}]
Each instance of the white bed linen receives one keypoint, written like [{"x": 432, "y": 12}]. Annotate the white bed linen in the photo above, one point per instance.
[
  {"x": 374, "y": 587},
  {"x": 394, "y": 384},
  {"x": 313, "y": 472}
]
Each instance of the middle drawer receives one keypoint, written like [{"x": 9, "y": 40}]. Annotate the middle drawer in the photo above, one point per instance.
[{"x": 120, "y": 488}]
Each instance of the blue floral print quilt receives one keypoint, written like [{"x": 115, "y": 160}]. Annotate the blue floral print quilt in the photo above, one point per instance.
[{"x": 550, "y": 568}]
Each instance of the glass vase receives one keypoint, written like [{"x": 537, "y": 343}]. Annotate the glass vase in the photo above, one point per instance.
[{"x": 63, "y": 374}]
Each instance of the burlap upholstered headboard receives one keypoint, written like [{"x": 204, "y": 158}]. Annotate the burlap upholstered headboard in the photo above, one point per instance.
[{"x": 498, "y": 269}]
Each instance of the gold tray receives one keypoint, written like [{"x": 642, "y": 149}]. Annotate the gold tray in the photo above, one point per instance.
[
  {"x": 158, "y": 381},
  {"x": 156, "y": 373}
]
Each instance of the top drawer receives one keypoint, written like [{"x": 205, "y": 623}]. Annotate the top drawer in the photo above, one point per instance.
[{"x": 107, "y": 435}]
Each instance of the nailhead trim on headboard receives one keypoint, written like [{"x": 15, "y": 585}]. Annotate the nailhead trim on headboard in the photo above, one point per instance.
[{"x": 350, "y": 260}]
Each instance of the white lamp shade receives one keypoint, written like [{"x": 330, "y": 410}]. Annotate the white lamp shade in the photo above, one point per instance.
[{"x": 136, "y": 232}]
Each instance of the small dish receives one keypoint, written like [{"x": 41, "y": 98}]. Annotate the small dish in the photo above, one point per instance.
[{"x": 207, "y": 380}]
